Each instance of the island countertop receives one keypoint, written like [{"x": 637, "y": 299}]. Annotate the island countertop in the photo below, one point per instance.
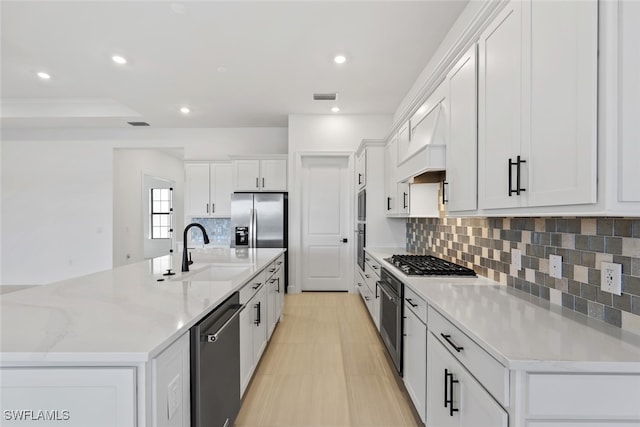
[{"x": 123, "y": 315}]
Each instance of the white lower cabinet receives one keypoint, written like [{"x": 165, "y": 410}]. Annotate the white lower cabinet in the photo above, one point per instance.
[
  {"x": 69, "y": 396},
  {"x": 454, "y": 397},
  {"x": 171, "y": 384},
  {"x": 415, "y": 359},
  {"x": 253, "y": 327}
]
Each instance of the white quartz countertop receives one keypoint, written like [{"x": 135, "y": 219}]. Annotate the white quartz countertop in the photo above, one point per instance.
[
  {"x": 522, "y": 331},
  {"x": 124, "y": 315}
]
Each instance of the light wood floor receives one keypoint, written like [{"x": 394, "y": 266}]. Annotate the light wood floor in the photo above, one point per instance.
[{"x": 325, "y": 366}]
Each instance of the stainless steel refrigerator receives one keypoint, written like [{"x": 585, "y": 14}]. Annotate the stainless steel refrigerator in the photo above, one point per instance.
[{"x": 259, "y": 220}]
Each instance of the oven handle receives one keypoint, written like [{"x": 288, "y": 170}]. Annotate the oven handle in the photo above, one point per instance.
[{"x": 388, "y": 292}]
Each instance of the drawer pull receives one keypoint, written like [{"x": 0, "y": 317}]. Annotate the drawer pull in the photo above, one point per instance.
[
  {"x": 375, "y": 267},
  {"x": 447, "y": 338},
  {"x": 411, "y": 302},
  {"x": 367, "y": 276}
]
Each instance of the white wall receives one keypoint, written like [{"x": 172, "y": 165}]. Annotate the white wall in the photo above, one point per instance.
[
  {"x": 56, "y": 210},
  {"x": 322, "y": 133},
  {"x": 130, "y": 166},
  {"x": 57, "y": 191}
]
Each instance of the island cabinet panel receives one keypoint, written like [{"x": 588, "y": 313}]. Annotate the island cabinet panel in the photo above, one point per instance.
[
  {"x": 73, "y": 397},
  {"x": 171, "y": 384}
]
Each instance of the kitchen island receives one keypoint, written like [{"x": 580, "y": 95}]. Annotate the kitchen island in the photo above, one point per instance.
[{"x": 92, "y": 350}]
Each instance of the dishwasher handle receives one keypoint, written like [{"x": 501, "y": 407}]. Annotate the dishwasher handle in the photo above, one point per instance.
[{"x": 214, "y": 337}]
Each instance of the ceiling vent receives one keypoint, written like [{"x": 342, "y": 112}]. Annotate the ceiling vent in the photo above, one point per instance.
[
  {"x": 138, "y": 123},
  {"x": 325, "y": 96}
]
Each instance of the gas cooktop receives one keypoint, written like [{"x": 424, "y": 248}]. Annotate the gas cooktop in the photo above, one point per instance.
[{"x": 427, "y": 265}]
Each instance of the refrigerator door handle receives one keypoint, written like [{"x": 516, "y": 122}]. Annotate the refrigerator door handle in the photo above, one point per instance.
[{"x": 252, "y": 232}]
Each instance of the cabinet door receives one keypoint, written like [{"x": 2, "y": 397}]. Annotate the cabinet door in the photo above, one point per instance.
[
  {"x": 272, "y": 286},
  {"x": 274, "y": 175},
  {"x": 390, "y": 184},
  {"x": 259, "y": 309},
  {"x": 454, "y": 397},
  {"x": 221, "y": 189},
  {"x": 246, "y": 175},
  {"x": 361, "y": 170},
  {"x": 462, "y": 143},
  {"x": 197, "y": 189},
  {"x": 499, "y": 104},
  {"x": 247, "y": 361},
  {"x": 561, "y": 152},
  {"x": 629, "y": 63},
  {"x": 415, "y": 360}
]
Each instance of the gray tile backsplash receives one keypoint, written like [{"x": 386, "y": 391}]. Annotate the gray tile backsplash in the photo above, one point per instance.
[{"x": 485, "y": 244}]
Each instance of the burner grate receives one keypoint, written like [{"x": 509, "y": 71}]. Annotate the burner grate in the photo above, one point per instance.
[{"x": 428, "y": 265}]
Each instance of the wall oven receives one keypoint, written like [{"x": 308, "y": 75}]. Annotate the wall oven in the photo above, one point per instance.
[
  {"x": 361, "y": 242},
  {"x": 362, "y": 205},
  {"x": 391, "y": 306}
]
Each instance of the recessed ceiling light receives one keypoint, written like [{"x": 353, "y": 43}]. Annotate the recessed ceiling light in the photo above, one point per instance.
[
  {"x": 43, "y": 75},
  {"x": 185, "y": 110},
  {"x": 119, "y": 59},
  {"x": 222, "y": 69},
  {"x": 335, "y": 109},
  {"x": 339, "y": 59}
]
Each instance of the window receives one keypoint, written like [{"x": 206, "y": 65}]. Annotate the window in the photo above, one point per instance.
[{"x": 161, "y": 211}]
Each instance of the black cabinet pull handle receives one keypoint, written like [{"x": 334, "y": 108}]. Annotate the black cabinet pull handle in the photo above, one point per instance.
[
  {"x": 411, "y": 302},
  {"x": 257, "y": 183},
  {"x": 278, "y": 290},
  {"x": 262, "y": 182},
  {"x": 446, "y": 387},
  {"x": 517, "y": 164},
  {"x": 447, "y": 338},
  {"x": 388, "y": 203},
  {"x": 404, "y": 200},
  {"x": 452, "y": 382},
  {"x": 444, "y": 197},
  {"x": 213, "y": 208},
  {"x": 377, "y": 296},
  {"x": 257, "y": 307},
  {"x": 359, "y": 178},
  {"x": 518, "y": 188}
]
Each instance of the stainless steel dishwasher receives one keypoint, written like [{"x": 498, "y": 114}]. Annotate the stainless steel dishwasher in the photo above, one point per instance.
[{"x": 215, "y": 366}]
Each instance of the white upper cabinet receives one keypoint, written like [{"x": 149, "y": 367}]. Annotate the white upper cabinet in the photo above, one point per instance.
[
  {"x": 460, "y": 188},
  {"x": 208, "y": 189},
  {"x": 260, "y": 174},
  {"x": 537, "y": 105},
  {"x": 361, "y": 170},
  {"x": 390, "y": 182},
  {"x": 499, "y": 103},
  {"x": 629, "y": 89},
  {"x": 273, "y": 174},
  {"x": 246, "y": 175}
]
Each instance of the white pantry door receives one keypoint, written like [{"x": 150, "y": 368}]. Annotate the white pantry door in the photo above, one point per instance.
[{"x": 325, "y": 223}]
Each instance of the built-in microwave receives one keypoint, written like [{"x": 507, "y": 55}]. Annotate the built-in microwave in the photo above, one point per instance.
[{"x": 362, "y": 205}]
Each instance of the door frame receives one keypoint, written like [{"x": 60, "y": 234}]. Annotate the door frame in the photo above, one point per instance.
[{"x": 295, "y": 214}]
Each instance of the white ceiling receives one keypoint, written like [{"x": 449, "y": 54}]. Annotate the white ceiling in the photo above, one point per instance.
[{"x": 234, "y": 63}]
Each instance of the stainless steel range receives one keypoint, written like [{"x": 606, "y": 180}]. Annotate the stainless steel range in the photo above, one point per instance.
[
  {"x": 392, "y": 295},
  {"x": 427, "y": 265}
]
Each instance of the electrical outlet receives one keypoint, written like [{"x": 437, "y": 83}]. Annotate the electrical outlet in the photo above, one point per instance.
[
  {"x": 430, "y": 241},
  {"x": 611, "y": 278},
  {"x": 174, "y": 396},
  {"x": 516, "y": 259},
  {"x": 555, "y": 266}
]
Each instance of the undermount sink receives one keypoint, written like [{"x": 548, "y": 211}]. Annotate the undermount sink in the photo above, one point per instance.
[{"x": 212, "y": 273}]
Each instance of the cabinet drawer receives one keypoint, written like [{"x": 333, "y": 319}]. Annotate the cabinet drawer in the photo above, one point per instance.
[
  {"x": 608, "y": 397},
  {"x": 493, "y": 376},
  {"x": 416, "y": 304},
  {"x": 371, "y": 277},
  {"x": 249, "y": 290},
  {"x": 371, "y": 262}
]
